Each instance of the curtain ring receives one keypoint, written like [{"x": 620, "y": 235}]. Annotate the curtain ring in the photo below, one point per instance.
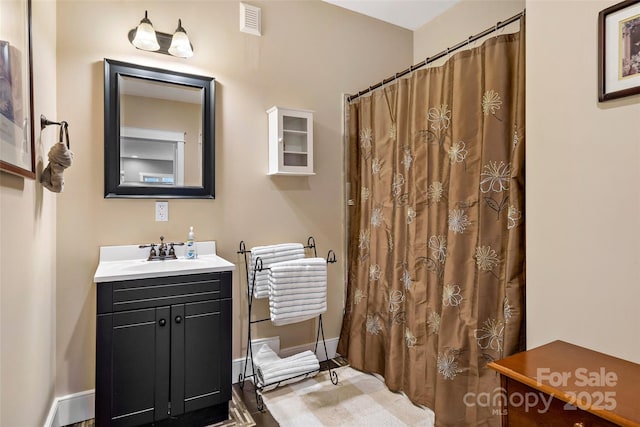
[
  {"x": 448, "y": 54},
  {"x": 496, "y": 29}
]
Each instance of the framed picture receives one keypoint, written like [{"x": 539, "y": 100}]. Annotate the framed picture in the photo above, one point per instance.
[{"x": 16, "y": 89}]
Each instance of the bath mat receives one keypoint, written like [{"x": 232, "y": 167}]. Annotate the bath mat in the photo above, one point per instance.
[{"x": 359, "y": 399}]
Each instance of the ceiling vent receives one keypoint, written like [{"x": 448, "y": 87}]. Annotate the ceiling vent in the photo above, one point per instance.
[{"x": 250, "y": 19}]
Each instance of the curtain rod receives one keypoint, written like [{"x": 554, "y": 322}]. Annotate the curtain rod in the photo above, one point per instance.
[{"x": 447, "y": 51}]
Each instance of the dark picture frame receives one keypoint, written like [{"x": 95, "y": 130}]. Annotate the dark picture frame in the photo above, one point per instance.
[
  {"x": 619, "y": 50},
  {"x": 17, "y": 148}
]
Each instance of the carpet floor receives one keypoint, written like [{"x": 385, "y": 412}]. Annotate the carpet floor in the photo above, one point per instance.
[{"x": 359, "y": 399}]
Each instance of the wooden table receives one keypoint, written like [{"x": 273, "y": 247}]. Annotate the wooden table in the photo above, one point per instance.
[{"x": 561, "y": 384}]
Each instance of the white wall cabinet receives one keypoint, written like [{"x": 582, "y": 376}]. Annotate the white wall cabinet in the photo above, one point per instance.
[{"x": 290, "y": 141}]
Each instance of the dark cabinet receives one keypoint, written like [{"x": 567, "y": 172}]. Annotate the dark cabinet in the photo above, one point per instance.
[{"x": 163, "y": 350}]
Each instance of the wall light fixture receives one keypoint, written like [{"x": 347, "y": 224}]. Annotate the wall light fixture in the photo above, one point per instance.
[{"x": 144, "y": 37}]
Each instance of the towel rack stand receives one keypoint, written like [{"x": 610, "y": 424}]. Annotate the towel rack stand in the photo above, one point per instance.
[{"x": 331, "y": 258}]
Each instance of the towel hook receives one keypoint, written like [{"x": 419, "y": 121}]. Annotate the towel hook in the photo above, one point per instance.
[
  {"x": 331, "y": 256},
  {"x": 44, "y": 122},
  {"x": 64, "y": 128}
]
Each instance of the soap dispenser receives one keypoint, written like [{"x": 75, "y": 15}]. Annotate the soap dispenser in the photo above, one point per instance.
[{"x": 191, "y": 252}]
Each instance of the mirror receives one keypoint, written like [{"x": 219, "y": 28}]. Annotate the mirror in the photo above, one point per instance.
[{"x": 159, "y": 133}]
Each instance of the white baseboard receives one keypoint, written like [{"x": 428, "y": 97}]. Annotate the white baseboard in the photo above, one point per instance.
[
  {"x": 72, "y": 408},
  {"x": 78, "y": 407},
  {"x": 332, "y": 345}
]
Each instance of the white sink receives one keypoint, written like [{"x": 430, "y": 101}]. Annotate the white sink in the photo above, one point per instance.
[{"x": 129, "y": 262}]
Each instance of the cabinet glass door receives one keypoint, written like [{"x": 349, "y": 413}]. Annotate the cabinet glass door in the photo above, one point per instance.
[{"x": 294, "y": 137}]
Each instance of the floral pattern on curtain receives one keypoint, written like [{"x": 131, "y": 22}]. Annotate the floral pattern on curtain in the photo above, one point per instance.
[{"x": 436, "y": 234}]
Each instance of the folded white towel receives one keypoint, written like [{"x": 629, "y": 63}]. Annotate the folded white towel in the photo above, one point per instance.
[
  {"x": 276, "y": 247},
  {"x": 285, "y": 268},
  {"x": 301, "y": 309},
  {"x": 305, "y": 263},
  {"x": 298, "y": 278},
  {"x": 281, "y": 321},
  {"x": 269, "y": 255},
  {"x": 293, "y": 286},
  {"x": 296, "y": 294},
  {"x": 297, "y": 303}
]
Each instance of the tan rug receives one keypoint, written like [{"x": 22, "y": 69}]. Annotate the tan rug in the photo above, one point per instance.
[{"x": 359, "y": 399}]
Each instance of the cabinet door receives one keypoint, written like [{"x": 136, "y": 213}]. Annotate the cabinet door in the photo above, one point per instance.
[
  {"x": 200, "y": 355},
  {"x": 137, "y": 360}
]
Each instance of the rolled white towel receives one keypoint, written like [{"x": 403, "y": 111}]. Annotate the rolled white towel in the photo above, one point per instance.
[
  {"x": 286, "y": 373},
  {"x": 273, "y": 371},
  {"x": 289, "y": 381},
  {"x": 286, "y": 368},
  {"x": 302, "y": 357}
]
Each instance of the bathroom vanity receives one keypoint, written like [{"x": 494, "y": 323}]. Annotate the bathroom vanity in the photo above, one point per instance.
[{"x": 163, "y": 338}]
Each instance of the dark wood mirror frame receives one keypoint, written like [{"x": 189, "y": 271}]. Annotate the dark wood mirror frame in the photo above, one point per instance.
[{"x": 112, "y": 188}]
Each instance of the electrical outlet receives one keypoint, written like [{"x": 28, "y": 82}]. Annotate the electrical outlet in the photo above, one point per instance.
[{"x": 162, "y": 211}]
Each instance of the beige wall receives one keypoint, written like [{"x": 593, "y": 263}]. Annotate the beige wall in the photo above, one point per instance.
[
  {"x": 27, "y": 257},
  {"x": 583, "y": 203},
  {"x": 466, "y": 18},
  {"x": 310, "y": 53}
]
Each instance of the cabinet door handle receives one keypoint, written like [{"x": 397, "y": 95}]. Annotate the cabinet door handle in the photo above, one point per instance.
[
  {"x": 162, "y": 322},
  {"x": 178, "y": 319}
]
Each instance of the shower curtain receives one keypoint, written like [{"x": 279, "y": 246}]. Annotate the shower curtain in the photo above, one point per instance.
[{"x": 436, "y": 230}]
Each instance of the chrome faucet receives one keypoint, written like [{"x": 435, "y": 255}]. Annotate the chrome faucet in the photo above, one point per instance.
[{"x": 165, "y": 251}]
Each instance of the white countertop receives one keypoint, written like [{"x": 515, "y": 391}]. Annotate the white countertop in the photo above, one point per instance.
[{"x": 129, "y": 262}]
